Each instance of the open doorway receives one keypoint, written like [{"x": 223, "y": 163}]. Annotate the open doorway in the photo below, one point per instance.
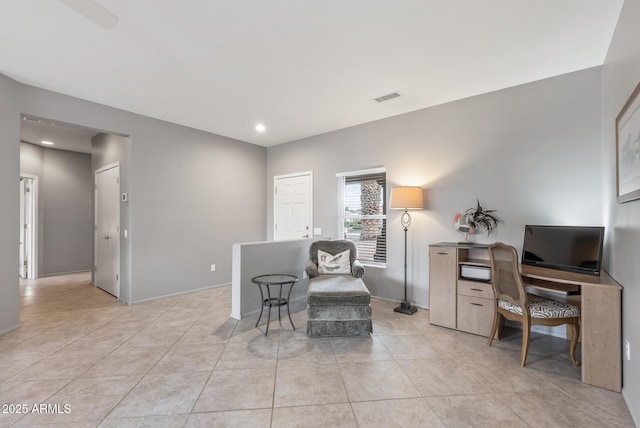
[
  {"x": 58, "y": 157},
  {"x": 64, "y": 159}
]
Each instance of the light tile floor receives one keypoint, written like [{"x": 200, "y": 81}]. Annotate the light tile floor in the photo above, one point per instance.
[{"x": 182, "y": 362}]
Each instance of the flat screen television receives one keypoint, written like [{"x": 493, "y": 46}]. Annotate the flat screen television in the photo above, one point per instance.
[{"x": 568, "y": 248}]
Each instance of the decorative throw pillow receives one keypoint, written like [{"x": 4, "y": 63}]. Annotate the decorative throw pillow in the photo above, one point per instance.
[{"x": 328, "y": 263}]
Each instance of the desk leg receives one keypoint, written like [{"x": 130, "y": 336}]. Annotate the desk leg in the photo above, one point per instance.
[{"x": 601, "y": 337}]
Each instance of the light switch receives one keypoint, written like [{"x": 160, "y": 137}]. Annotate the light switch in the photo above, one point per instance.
[{"x": 317, "y": 231}]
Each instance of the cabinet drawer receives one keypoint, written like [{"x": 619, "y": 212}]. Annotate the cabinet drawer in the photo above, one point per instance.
[
  {"x": 475, "y": 289},
  {"x": 475, "y": 315}
]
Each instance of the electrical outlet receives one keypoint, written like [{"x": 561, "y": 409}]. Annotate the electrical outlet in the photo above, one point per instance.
[
  {"x": 627, "y": 348},
  {"x": 213, "y": 268}
]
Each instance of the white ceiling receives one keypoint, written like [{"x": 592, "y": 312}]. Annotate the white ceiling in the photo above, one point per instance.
[
  {"x": 301, "y": 67},
  {"x": 63, "y": 136}
]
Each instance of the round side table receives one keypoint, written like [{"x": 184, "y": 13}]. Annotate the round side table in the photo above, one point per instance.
[{"x": 274, "y": 279}]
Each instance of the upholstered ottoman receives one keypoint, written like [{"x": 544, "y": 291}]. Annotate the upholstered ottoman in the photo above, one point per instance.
[{"x": 337, "y": 304}]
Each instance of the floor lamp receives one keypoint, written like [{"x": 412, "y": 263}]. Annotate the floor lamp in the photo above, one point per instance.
[{"x": 406, "y": 198}]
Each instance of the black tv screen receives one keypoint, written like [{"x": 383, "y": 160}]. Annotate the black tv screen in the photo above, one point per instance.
[{"x": 568, "y": 248}]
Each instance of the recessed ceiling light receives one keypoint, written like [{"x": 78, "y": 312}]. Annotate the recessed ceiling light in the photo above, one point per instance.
[
  {"x": 260, "y": 127},
  {"x": 47, "y": 143}
]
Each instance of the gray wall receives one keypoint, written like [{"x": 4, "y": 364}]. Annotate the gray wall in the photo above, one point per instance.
[
  {"x": 621, "y": 74},
  {"x": 68, "y": 220},
  {"x": 251, "y": 259},
  {"x": 65, "y": 217},
  {"x": 107, "y": 149},
  {"x": 533, "y": 152},
  {"x": 9, "y": 209},
  {"x": 192, "y": 194}
]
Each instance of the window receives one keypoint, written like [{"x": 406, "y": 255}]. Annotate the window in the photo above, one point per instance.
[{"x": 362, "y": 214}]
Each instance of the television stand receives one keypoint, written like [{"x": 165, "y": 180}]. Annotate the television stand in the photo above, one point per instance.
[{"x": 467, "y": 305}]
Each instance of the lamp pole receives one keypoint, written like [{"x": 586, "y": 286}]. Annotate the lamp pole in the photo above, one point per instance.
[
  {"x": 406, "y": 198},
  {"x": 405, "y": 307}
]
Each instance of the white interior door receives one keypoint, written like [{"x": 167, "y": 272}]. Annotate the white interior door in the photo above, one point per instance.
[
  {"x": 28, "y": 222},
  {"x": 23, "y": 222},
  {"x": 107, "y": 229},
  {"x": 293, "y": 206}
]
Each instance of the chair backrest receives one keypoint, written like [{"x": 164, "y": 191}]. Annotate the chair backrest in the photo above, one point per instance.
[
  {"x": 333, "y": 247},
  {"x": 505, "y": 275}
]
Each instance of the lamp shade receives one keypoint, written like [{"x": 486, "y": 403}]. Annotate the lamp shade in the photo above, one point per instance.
[{"x": 406, "y": 198}]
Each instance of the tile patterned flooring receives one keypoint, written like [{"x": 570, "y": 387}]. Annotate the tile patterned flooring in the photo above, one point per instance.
[{"x": 181, "y": 362}]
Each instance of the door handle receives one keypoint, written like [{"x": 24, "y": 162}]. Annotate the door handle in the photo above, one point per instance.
[
  {"x": 305, "y": 236},
  {"x": 106, "y": 237}
]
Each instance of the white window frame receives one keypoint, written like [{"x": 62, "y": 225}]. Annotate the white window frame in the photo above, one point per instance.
[{"x": 341, "y": 179}]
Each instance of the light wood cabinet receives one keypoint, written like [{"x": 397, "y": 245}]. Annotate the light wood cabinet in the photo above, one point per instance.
[
  {"x": 442, "y": 286},
  {"x": 453, "y": 301}
]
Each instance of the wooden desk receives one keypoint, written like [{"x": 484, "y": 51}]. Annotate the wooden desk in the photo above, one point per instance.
[
  {"x": 458, "y": 303},
  {"x": 600, "y": 322}
]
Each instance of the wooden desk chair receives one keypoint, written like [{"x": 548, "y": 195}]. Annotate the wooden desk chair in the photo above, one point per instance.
[{"x": 513, "y": 303}]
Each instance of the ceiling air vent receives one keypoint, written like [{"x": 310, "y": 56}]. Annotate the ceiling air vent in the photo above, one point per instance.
[{"x": 387, "y": 97}]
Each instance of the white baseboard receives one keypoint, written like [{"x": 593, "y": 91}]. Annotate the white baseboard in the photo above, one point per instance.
[
  {"x": 181, "y": 293},
  {"x": 398, "y": 302},
  {"x": 64, "y": 273},
  {"x": 634, "y": 417},
  {"x": 9, "y": 329},
  {"x": 239, "y": 317},
  {"x": 542, "y": 329}
]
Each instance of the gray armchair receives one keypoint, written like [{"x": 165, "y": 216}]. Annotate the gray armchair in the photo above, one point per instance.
[
  {"x": 334, "y": 247},
  {"x": 338, "y": 304}
]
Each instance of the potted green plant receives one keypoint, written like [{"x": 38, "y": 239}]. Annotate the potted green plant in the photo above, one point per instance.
[{"x": 479, "y": 218}]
